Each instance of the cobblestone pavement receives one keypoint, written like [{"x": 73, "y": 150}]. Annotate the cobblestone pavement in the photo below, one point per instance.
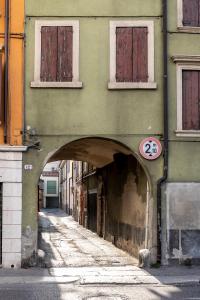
[{"x": 64, "y": 243}]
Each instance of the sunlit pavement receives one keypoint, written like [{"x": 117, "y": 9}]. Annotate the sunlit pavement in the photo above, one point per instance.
[
  {"x": 71, "y": 251},
  {"x": 75, "y": 264},
  {"x": 54, "y": 291},
  {"x": 67, "y": 244}
]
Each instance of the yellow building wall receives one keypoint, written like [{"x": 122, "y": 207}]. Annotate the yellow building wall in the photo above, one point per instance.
[{"x": 16, "y": 71}]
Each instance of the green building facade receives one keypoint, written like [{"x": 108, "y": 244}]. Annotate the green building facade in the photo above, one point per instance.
[{"x": 94, "y": 115}]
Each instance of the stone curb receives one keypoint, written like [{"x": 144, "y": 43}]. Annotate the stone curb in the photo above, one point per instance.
[
  {"x": 35, "y": 280},
  {"x": 149, "y": 280}
]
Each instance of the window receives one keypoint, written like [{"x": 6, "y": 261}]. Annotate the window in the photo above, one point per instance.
[
  {"x": 56, "y": 54},
  {"x": 188, "y": 95},
  {"x": 190, "y": 99},
  {"x": 131, "y": 55},
  {"x": 189, "y": 14},
  {"x": 51, "y": 187}
]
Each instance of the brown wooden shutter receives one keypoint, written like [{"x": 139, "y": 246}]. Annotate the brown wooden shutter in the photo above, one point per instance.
[
  {"x": 190, "y": 100},
  {"x": 65, "y": 52},
  {"x": 131, "y": 54},
  {"x": 191, "y": 13},
  {"x": 49, "y": 53},
  {"x": 124, "y": 54},
  {"x": 140, "y": 54}
]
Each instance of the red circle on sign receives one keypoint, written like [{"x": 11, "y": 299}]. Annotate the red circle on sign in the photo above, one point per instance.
[{"x": 150, "y": 148}]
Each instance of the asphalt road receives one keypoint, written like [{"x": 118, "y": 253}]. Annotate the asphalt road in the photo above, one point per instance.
[{"x": 73, "y": 292}]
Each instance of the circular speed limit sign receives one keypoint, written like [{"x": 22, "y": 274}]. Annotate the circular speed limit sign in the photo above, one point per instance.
[{"x": 150, "y": 148}]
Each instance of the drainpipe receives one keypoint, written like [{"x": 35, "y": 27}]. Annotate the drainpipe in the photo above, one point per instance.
[
  {"x": 163, "y": 179},
  {"x": 7, "y": 34}
]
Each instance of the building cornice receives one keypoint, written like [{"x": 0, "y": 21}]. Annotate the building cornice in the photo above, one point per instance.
[
  {"x": 8, "y": 148},
  {"x": 186, "y": 58}
]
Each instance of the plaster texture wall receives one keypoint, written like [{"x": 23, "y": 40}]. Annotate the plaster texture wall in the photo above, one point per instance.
[
  {"x": 96, "y": 8},
  {"x": 126, "y": 204},
  {"x": 86, "y": 111},
  {"x": 181, "y": 221},
  {"x": 180, "y": 197},
  {"x": 63, "y": 115},
  {"x": 183, "y": 151}
]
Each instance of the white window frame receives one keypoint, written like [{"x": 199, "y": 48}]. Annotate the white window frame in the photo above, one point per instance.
[
  {"x": 113, "y": 84},
  {"x": 184, "y": 63},
  {"x": 51, "y": 179},
  {"x": 180, "y": 25},
  {"x": 75, "y": 83}
]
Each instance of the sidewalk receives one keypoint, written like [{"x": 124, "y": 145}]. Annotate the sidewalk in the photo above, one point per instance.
[{"x": 124, "y": 275}]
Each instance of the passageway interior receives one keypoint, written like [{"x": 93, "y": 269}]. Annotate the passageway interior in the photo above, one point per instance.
[
  {"x": 65, "y": 243},
  {"x": 107, "y": 193}
]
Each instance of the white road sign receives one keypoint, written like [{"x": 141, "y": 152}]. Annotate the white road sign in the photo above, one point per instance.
[{"x": 150, "y": 148}]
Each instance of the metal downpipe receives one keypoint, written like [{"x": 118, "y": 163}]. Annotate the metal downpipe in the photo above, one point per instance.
[{"x": 163, "y": 179}]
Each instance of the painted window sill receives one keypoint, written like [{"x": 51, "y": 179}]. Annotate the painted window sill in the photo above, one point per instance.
[
  {"x": 189, "y": 29},
  {"x": 67, "y": 85},
  {"x": 132, "y": 85},
  {"x": 9, "y": 148},
  {"x": 188, "y": 133}
]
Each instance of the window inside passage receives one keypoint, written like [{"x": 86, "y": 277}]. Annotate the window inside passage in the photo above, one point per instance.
[
  {"x": 56, "y": 53},
  {"x": 191, "y": 99},
  {"x": 131, "y": 54},
  {"x": 51, "y": 187},
  {"x": 191, "y": 13}
]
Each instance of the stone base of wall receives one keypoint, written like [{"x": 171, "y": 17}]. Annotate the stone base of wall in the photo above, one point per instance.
[
  {"x": 29, "y": 246},
  {"x": 11, "y": 178},
  {"x": 181, "y": 223},
  {"x": 125, "y": 236}
]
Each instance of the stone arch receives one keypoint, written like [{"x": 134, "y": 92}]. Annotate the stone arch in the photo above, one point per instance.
[
  {"x": 75, "y": 149},
  {"x": 108, "y": 154}
]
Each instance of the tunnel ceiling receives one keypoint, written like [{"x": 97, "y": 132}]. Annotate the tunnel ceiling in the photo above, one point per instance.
[{"x": 96, "y": 151}]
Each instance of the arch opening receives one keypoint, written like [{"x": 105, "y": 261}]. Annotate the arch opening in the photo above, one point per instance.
[{"x": 105, "y": 188}]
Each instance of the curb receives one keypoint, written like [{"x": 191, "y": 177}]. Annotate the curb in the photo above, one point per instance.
[{"x": 152, "y": 281}]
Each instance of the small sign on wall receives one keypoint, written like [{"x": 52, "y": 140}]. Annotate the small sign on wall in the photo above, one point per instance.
[
  {"x": 150, "y": 148},
  {"x": 28, "y": 167}
]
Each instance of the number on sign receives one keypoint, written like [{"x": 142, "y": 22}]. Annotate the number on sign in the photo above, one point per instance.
[{"x": 150, "y": 148}]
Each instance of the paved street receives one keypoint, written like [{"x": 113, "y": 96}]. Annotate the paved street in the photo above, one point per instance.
[
  {"x": 73, "y": 253},
  {"x": 67, "y": 244},
  {"x": 75, "y": 264},
  {"x": 73, "y": 292}
]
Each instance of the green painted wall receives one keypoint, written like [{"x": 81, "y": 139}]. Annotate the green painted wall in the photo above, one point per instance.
[
  {"x": 93, "y": 8},
  {"x": 93, "y": 109},
  {"x": 183, "y": 151},
  {"x": 62, "y": 115}
]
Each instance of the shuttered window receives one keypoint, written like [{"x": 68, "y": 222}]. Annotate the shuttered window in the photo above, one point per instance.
[
  {"x": 191, "y": 99},
  {"x": 191, "y": 13},
  {"x": 51, "y": 187},
  {"x": 131, "y": 54},
  {"x": 56, "y": 53}
]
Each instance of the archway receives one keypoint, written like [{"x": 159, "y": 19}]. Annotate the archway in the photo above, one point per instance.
[
  {"x": 124, "y": 192},
  {"x": 111, "y": 198}
]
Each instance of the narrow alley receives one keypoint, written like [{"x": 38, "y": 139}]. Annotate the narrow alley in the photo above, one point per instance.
[{"x": 65, "y": 243}]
